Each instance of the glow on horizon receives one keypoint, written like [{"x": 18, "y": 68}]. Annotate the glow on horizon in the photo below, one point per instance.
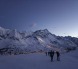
[{"x": 73, "y": 34}]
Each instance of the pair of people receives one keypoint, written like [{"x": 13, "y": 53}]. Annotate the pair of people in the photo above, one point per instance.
[{"x": 51, "y": 54}]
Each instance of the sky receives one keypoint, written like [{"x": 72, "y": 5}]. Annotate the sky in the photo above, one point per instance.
[{"x": 60, "y": 17}]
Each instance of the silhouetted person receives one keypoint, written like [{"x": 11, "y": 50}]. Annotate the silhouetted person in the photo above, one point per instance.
[
  {"x": 51, "y": 55},
  {"x": 58, "y": 56},
  {"x": 46, "y": 53}
]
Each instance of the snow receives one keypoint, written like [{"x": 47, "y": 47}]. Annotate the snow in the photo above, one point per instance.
[
  {"x": 33, "y": 41},
  {"x": 4, "y": 31},
  {"x": 39, "y": 61}
]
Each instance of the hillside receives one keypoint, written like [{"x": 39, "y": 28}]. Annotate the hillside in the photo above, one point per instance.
[{"x": 13, "y": 41}]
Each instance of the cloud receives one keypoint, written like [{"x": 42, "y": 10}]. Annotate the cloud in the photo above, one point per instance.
[{"x": 33, "y": 25}]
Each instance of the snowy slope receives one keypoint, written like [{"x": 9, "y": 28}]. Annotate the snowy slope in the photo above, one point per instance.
[
  {"x": 40, "y": 40},
  {"x": 39, "y": 61}
]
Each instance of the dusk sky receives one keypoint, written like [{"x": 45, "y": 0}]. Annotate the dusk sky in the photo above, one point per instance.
[{"x": 60, "y": 17}]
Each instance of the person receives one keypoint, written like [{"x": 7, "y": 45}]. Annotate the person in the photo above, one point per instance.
[
  {"x": 51, "y": 55},
  {"x": 58, "y": 56},
  {"x": 46, "y": 53}
]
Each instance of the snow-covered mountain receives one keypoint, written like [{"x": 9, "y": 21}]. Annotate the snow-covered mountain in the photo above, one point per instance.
[{"x": 13, "y": 41}]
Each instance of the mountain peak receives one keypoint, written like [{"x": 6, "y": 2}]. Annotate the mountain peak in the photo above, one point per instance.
[
  {"x": 46, "y": 30},
  {"x": 43, "y": 31},
  {"x": 1, "y": 28}
]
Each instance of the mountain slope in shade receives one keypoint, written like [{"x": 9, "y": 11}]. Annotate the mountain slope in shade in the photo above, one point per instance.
[{"x": 40, "y": 40}]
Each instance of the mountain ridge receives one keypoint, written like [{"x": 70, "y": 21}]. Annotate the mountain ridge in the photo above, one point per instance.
[{"x": 40, "y": 40}]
